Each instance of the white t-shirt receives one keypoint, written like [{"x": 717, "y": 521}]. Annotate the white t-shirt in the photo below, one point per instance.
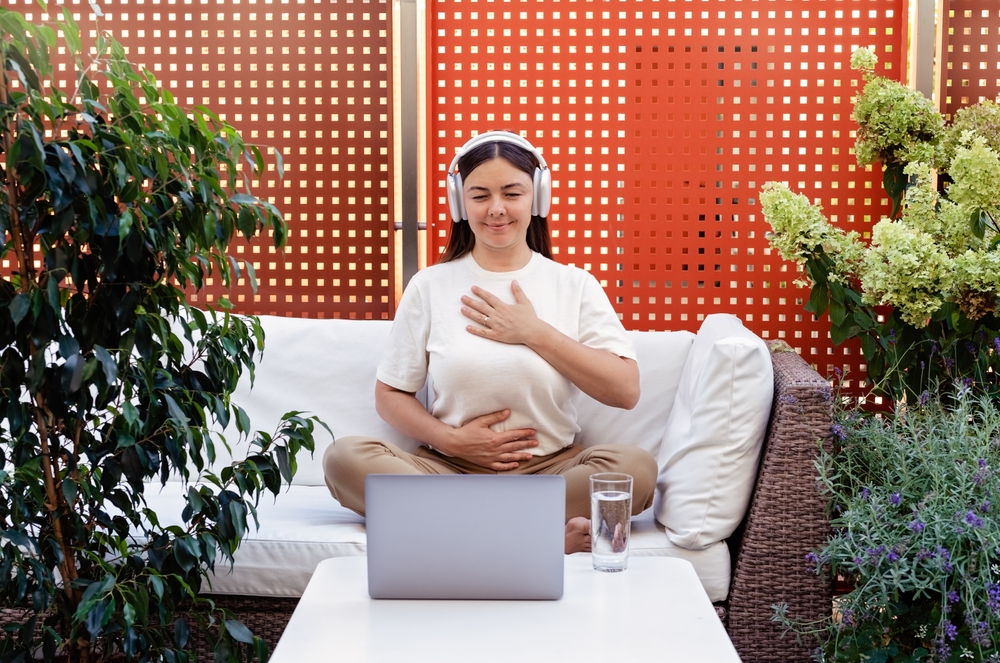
[{"x": 473, "y": 376}]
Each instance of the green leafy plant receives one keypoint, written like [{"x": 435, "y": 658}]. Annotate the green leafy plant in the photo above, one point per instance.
[
  {"x": 915, "y": 502},
  {"x": 112, "y": 203},
  {"x": 922, "y": 296}
]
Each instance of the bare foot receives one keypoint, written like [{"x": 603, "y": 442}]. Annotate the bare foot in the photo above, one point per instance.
[{"x": 577, "y": 535}]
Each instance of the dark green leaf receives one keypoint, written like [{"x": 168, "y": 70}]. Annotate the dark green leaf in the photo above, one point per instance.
[
  {"x": 818, "y": 299},
  {"x": 19, "y": 307},
  {"x": 894, "y": 180},
  {"x": 108, "y": 363},
  {"x": 239, "y": 632}
]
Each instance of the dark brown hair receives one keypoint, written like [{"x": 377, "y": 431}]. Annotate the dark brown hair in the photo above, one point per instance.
[{"x": 461, "y": 240}]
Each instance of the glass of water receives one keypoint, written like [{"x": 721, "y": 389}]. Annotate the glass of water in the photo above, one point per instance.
[{"x": 610, "y": 519}]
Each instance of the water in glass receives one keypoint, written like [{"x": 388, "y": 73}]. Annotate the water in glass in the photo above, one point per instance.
[{"x": 610, "y": 523}]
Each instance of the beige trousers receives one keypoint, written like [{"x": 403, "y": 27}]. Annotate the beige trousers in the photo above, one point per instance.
[{"x": 349, "y": 460}]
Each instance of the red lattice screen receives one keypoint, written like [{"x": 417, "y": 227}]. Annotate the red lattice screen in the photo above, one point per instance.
[
  {"x": 661, "y": 121},
  {"x": 971, "y": 53},
  {"x": 310, "y": 80}
]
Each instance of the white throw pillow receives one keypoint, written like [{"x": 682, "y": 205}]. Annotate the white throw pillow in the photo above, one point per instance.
[{"x": 708, "y": 458}]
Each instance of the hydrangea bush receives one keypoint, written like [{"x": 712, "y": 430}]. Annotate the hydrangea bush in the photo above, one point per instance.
[
  {"x": 922, "y": 295},
  {"x": 916, "y": 511}
]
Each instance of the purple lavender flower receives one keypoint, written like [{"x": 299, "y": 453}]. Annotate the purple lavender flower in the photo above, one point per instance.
[
  {"x": 924, "y": 554},
  {"x": 858, "y": 561},
  {"x": 982, "y": 473},
  {"x": 895, "y": 499},
  {"x": 971, "y": 347},
  {"x": 847, "y": 618},
  {"x": 892, "y": 335},
  {"x": 993, "y": 597},
  {"x": 893, "y": 556},
  {"x": 838, "y": 372},
  {"x": 925, "y": 397},
  {"x": 985, "y": 506},
  {"x": 952, "y": 597},
  {"x": 812, "y": 558},
  {"x": 865, "y": 493},
  {"x": 945, "y": 559},
  {"x": 917, "y": 526},
  {"x": 838, "y": 432},
  {"x": 979, "y": 631},
  {"x": 996, "y": 344},
  {"x": 950, "y": 630},
  {"x": 972, "y": 519},
  {"x": 949, "y": 362},
  {"x": 922, "y": 365},
  {"x": 966, "y": 383}
]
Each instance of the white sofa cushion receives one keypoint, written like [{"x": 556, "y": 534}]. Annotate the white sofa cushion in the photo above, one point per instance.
[
  {"x": 708, "y": 459},
  {"x": 305, "y": 525},
  {"x": 661, "y": 357},
  {"x": 321, "y": 367}
]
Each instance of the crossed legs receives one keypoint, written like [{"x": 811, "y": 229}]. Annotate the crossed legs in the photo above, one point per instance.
[{"x": 349, "y": 460}]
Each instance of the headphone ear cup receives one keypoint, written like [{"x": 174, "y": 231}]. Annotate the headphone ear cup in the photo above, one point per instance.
[
  {"x": 542, "y": 200},
  {"x": 456, "y": 201}
]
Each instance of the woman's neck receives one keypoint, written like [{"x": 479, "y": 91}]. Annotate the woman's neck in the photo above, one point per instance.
[{"x": 507, "y": 260}]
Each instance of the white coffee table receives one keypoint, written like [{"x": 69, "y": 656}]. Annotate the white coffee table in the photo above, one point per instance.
[{"x": 654, "y": 611}]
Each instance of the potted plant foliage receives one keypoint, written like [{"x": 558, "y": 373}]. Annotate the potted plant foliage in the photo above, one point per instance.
[
  {"x": 922, "y": 296},
  {"x": 913, "y": 493},
  {"x": 113, "y": 202}
]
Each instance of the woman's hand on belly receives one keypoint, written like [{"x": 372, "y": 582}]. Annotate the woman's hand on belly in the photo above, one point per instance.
[{"x": 477, "y": 443}]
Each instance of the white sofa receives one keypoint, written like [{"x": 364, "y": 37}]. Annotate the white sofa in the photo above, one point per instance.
[{"x": 703, "y": 413}]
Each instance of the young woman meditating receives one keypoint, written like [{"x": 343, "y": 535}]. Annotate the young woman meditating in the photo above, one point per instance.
[{"x": 506, "y": 336}]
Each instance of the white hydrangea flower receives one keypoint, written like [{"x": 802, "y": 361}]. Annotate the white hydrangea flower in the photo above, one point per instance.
[
  {"x": 799, "y": 228},
  {"x": 975, "y": 172},
  {"x": 864, "y": 59},
  {"x": 906, "y": 268}
]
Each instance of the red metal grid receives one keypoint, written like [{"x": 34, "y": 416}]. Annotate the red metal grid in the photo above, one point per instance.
[
  {"x": 971, "y": 53},
  {"x": 661, "y": 121},
  {"x": 309, "y": 80}
]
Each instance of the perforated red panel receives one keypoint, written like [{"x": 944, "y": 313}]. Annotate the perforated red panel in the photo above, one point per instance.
[
  {"x": 971, "y": 67},
  {"x": 310, "y": 80},
  {"x": 661, "y": 121}
]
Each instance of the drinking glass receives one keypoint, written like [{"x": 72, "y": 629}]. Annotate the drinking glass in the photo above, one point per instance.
[{"x": 610, "y": 519}]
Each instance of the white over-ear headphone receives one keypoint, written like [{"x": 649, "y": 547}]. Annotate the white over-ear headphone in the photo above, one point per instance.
[{"x": 542, "y": 179}]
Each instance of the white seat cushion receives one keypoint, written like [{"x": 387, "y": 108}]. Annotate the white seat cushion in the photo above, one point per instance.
[
  {"x": 305, "y": 525},
  {"x": 708, "y": 460}
]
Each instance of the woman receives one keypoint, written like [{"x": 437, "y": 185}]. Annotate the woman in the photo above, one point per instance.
[{"x": 506, "y": 336}]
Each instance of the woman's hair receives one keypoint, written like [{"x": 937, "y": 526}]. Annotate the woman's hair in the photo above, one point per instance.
[{"x": 461, "y": 240}]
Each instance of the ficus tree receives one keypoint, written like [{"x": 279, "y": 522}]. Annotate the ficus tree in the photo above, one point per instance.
[{"x": 115, "y": 202}]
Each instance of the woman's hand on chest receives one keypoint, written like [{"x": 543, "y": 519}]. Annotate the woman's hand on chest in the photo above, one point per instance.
[{"x": 514, "y": 324}]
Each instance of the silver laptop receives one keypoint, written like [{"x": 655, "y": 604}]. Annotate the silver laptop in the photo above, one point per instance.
[{"x": 465, "y": 536}]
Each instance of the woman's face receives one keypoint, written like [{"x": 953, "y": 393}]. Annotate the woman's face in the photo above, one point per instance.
[{"x": 498, "y": 201}]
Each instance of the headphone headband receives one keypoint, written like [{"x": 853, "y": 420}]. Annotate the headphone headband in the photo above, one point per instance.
[
  {"x": 541, "y": 179},
  {"x": 497, "y": 136}
]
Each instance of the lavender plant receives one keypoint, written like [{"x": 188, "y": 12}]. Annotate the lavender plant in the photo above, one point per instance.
[{"x": 915, "y": 501}]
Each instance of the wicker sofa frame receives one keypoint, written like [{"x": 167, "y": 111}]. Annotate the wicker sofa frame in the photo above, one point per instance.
[{"x": 786, "y": 520}]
